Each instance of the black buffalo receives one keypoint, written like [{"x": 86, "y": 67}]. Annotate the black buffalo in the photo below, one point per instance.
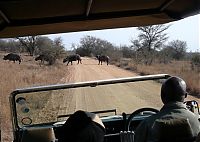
[
  {"x": 102, "y": 58},
  {"x": 72, "y": 58},
  {"x": 13, "y": 57},
  {"x": 44, "y": 57}
]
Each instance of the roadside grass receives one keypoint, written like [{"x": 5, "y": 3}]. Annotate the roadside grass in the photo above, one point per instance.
[
  {"x": 176, "y": 68},
  {"x": 27, "y": 74}
]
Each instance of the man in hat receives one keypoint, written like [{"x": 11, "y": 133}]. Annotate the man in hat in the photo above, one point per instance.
[{"x": 174, "y": 113}]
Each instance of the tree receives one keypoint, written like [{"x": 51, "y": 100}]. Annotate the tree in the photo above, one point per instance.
[
  {"x": 127, "y": 52},
  {"x": 11, "y": 45},
  {"x": 29, "y": 43},
  {"x": 43, "y": 44},
  {"x": 86, "y": 45},
  {"x": 150, "y": 39},
  {"x": 47, "y": 46},
  {"x": 90, "y": 46},
  {"x": 140, "y": 51},
  {"x": 153, "y": 36},
  {"x": 179, "y": 49},
  {"x": 166, "y": 54},
  {"x": 53, "y": 47},
  {"x": 195, "y": 61},
  {"x": 58, "y": 48}
]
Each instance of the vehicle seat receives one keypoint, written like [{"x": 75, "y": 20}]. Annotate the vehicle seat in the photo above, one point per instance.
[
  {"x": 38, "y": 135},
  {"x": 172, "y": 130}
]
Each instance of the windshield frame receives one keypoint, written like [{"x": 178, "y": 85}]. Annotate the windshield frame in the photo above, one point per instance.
[{"x": 75, "y": 85}]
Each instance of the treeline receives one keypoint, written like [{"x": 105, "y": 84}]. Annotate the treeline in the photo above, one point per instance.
[
  {"x": 151, "y": 46},
  {"x": 92, "y": 46},
  {"x": 35, "y": 45},
  {"x": 175, "y": 50}
]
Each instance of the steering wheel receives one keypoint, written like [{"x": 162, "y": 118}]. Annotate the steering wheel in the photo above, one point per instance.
[{"x": 135, "y": 113}]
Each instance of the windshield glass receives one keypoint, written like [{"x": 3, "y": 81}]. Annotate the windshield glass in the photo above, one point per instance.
[{"x": 47, "y": 106}]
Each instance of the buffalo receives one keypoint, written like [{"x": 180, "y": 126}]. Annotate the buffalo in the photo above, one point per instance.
[
  {"x": 44, "y": 57},
  {"x": 102, "y": 58},
  {"x": 72, "y": 58},
  {"x": 13, "y": 57}
]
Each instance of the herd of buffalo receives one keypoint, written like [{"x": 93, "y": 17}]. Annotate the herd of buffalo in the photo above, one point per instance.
[{"x": 69, "y": 59}]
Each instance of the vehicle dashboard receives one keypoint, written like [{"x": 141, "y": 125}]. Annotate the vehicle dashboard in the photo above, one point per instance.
[
  {"x": 113, "y": 126},
  {"x": 30, "y": 105}
]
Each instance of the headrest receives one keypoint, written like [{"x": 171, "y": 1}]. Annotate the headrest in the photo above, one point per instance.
[{"x": 82, "y": 126}]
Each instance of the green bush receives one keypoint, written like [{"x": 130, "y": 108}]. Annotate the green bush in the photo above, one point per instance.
[{"x": 196, "y": 59}]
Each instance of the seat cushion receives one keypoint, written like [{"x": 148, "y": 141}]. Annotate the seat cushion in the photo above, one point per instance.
[{"x": 38, "y": 134}]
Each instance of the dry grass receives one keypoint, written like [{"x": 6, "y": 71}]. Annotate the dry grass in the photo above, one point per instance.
[
  {"x": 26, "y": 74},
  {"x": 176, "y": 68}
]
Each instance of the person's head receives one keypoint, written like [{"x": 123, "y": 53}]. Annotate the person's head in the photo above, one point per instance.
[
  {"x": 173, "y": 89},
  {"x": 83, "y": 126}
]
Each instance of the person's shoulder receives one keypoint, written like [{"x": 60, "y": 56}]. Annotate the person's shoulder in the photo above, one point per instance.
[
  {"x": 185, "y": 110},
  {"x": 191, "y": 114},
  {"x": 148, "y": 122},
  {"x": 153, "y": 117}
]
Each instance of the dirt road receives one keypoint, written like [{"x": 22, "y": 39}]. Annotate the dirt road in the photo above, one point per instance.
[
  {"x": 126, "y": 97},
  {"x": 123, "y": 97}
]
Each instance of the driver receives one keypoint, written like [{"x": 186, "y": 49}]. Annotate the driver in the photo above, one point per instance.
[
  {"x": 82, "y": 126},
  {"x": 173, "y": 93}
]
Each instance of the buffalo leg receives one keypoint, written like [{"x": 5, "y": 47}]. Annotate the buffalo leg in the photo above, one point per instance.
[{"x": 42, "y": 62}]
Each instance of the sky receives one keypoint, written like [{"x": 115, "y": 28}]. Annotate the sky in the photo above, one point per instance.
[{"x": 187, "y": 29}]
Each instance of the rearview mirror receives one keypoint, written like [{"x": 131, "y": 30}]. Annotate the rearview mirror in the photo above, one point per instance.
[{"x": 193, "y": 106}]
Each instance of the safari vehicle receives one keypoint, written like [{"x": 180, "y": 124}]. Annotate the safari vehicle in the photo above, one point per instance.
[{"x": 38, "y": 113}]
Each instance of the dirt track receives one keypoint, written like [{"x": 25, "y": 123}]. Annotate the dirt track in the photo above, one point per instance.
[{"x": 123, "y": 97}]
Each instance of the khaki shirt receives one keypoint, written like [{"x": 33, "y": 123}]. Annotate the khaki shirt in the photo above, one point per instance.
[{"x": 172, "y": 110}]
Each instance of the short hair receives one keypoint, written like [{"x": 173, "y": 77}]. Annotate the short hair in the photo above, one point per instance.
[
  {"x": 173, "y": 89},
  {"x": 79, "y": 127}
]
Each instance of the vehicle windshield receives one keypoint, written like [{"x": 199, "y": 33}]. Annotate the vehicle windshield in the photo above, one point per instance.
[{"x": 112, "y": 99}]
